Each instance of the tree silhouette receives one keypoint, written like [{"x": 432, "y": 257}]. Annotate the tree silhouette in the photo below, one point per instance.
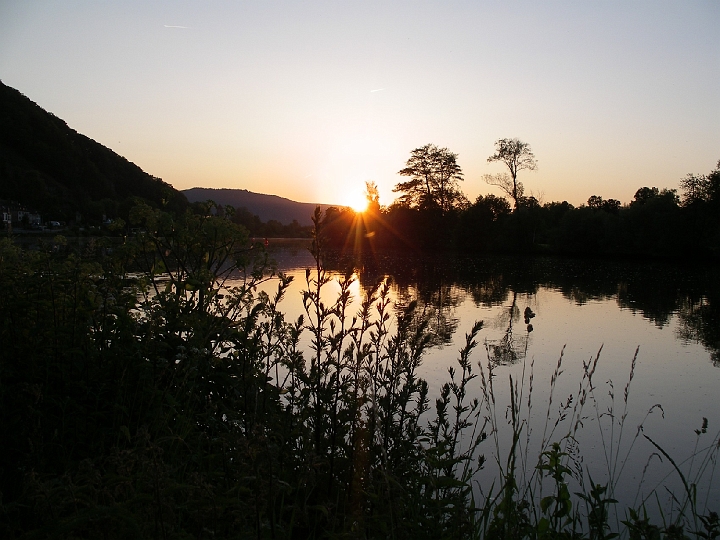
[
  {"x": 598, "y": 203},
  {"x": 517, "y": 156},
  {"x": 372, "y": 194},
  {"x": 696, "y": 189},
  {"x": 434, "y": 175}
]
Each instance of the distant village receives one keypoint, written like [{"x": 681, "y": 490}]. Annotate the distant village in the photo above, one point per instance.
[{"x": 17, "y": 216}]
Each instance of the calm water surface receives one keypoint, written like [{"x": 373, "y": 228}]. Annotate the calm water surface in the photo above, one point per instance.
[{"x": 668, "y": 313}]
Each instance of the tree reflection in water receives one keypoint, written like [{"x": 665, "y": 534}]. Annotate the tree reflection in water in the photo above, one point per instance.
[
  {"x": 659, "y": 292},
  {"x": 436, "y": 306},
  {"x": 511, "y": 347},
  {"x": 700, "y": 322}
]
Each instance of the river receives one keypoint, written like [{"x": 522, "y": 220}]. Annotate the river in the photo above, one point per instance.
[{"x": 666, "y": 316}]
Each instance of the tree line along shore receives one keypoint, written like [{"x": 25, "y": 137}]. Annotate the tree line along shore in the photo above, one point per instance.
[{"x": 432, "y": 213}]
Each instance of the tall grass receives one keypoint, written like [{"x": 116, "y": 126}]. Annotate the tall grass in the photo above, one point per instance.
[
  {"x": 177, "y": 406},
  {"x": 544, "y": 488}
]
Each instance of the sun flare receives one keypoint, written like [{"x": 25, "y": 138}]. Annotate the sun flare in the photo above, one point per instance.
[
  {"x": 357, "y": 201},
  {"x": 359, "y": 206}
]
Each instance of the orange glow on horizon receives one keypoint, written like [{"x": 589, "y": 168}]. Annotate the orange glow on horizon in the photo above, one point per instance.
[
  {"x": 359, "y": 208},
  {"x": 356, "y": 200}
]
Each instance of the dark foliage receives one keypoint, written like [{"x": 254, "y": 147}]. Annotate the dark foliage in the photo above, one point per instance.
[
  {"x": 657, "y": 223},
  {"x": 171, "y": 402},
  {"x": 271, "y": 229},
  {"x": 175, "y": 401},
  {"x": 434, "y": 175}
]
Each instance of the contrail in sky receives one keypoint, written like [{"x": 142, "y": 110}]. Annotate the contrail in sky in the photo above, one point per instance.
[
  {"x": 378, "y": 90},
  {"x": 174, "y": 26}
]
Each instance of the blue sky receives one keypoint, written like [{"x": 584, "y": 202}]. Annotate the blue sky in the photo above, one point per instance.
[{"x": 308, "y": 100}]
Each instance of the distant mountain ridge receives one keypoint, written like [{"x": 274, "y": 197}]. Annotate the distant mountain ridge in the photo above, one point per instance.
[
  {"x": 48, "y": 165},
  {"x": 266, "y": 207}
]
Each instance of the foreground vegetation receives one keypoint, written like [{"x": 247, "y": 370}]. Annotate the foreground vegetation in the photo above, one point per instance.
[{"x": 158, "y": 392}]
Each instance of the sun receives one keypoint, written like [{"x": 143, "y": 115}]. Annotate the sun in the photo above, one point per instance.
[
  {"x": 357, "y": 201},
  {"x": 359, "y": 206}
]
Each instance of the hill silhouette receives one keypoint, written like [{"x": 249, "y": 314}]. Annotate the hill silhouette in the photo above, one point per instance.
[
  {"x": 47, "y": 165},
  {"x": 266, "y": 207}
]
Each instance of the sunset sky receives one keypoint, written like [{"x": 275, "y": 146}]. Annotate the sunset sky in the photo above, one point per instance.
[{"x": 310, "y": 99}]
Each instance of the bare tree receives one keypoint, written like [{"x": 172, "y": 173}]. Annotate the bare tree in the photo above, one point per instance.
[
  {"x": 514, "y": 190},
  {"x": 517, "y": 156}
]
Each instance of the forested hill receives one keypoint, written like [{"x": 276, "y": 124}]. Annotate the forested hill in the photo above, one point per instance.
[
  {"x": 266, "y": 207},
  {"x": 46, "y": 165}
]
